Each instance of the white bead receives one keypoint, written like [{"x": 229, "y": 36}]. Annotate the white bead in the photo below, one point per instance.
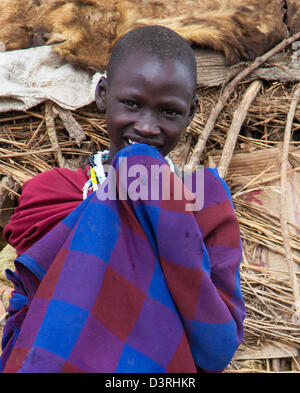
[{"x": 100, "y": 173}]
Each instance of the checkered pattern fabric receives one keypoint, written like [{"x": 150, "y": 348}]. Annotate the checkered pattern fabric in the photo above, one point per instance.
[{"x": 135, "y": 285}]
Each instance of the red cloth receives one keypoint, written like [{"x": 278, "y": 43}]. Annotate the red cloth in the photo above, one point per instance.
[{"x": 45, "y": 200}]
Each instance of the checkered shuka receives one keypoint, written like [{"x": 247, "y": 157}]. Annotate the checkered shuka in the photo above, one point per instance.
[{"x": 134, "y": 285}]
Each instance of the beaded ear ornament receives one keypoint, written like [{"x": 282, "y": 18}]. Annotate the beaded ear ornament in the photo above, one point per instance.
[{"x": 97, "y": 173}]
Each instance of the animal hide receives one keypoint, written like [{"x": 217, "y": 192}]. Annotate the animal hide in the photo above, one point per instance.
[
  {"x": 293, "y": 15},
  {"x": 83, "y": 32},
  {"x": 15, "y": 23}
]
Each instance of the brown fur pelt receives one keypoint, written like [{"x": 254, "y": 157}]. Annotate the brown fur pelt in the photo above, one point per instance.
[
  {"x": 15, "y": 23},
  {"x": 293, "y": 15},
  {"x": 83, "y": 31}
]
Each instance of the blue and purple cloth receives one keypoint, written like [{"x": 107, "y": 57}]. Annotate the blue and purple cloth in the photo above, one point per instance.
[{"x": 132, "y": 285}]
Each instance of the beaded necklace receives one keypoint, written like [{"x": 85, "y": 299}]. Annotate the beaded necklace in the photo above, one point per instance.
[{"x": 97, "y": 173}]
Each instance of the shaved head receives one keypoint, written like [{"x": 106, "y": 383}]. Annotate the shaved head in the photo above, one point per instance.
[{"x": 158, "y": 41}]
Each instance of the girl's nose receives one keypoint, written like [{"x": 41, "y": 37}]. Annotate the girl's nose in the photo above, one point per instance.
[{"x": 147, "y": 125}]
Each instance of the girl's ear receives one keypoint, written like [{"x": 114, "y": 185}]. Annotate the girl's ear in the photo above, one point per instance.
[
  {"x": 193, "y": 108},
  {"x": 100, "y": 94}
]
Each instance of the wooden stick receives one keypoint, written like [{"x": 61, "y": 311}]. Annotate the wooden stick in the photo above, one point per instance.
[
  {"x": 6, "y": 185},
  {"x": 276, "y": 365},
  {"x": 50, "y": 124},
  {"x": 72, "y": 126},
  {"x": 284, "y": 204},
  {"x": 28, "y": 153},
  {"x": 45, "y": 151},
  {"x": 3, "y": 190},
  {"x": 35, "y": 133},
  {"x": 210, "y": 124},
  {"x": 268, "y": 180},
  {"x": 244, "y": 189},
  {"x": 260, "y": 298},
  {"x": 237, "y": 122},
  {"x": 9, "y": 189},
  {"x": 187, "y": 147}
]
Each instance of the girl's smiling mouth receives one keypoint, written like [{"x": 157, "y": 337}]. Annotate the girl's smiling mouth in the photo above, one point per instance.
[{"x": 147, "y": 141}]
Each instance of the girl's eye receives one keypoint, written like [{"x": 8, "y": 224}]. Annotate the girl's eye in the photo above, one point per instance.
[
  {"x": 170, "y": 112},
  {"x": 130, "y": 104}
]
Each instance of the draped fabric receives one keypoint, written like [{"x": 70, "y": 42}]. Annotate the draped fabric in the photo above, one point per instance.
[
  {"x": 133, "y": 283},
  {"x": 45, "y": 200}
]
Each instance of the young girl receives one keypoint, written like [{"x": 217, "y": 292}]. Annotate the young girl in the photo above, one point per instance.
[{"x": 128, "y": 282}]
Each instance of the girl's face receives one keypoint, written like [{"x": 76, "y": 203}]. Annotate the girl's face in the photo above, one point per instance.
[{"x": 147, "y": 101}]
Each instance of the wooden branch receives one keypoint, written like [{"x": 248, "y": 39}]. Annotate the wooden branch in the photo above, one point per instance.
[
  {"x": 212, "y": 71},
  {"x": 268, "y": 350},
  {"x": 3, "y": 190},
  {"x": 46, "y": 151},
  {"x": 187, "y": 147},
  {"x": 195, "y": 157},
  {"x": 288, "y": 74},
  {"x": 29, "y": 153},
  {"x": 7, "y": 185},
  {"x": 284, "y": 205},
  {"x": 35, "y": 133},
  {"x": 236, "y": 124},
  {"x": 50, "y": 124},
  {"x": 74, "y": 129}
]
